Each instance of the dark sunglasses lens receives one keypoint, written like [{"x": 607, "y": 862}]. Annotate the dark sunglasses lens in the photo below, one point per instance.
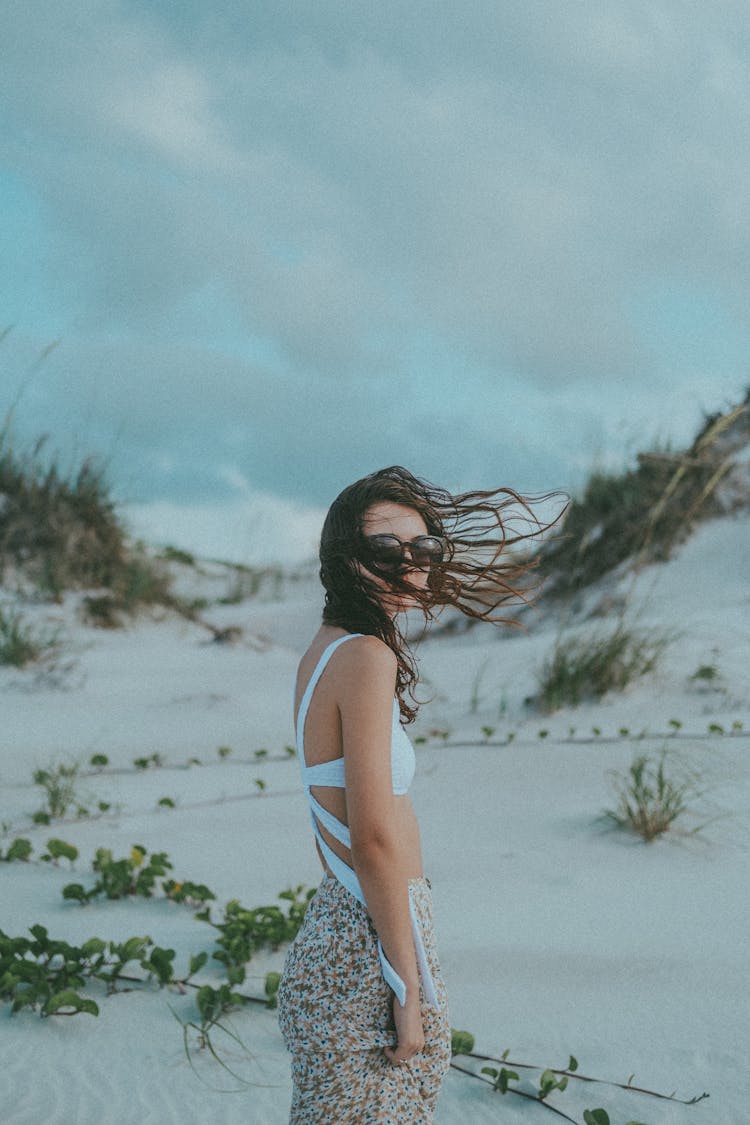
[
  {"x": 385, "y": 550},
  {"x": 427, "y": 550}
]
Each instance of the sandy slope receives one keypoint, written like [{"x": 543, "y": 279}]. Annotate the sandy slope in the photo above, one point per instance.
[{"x": 556, "y": 936}]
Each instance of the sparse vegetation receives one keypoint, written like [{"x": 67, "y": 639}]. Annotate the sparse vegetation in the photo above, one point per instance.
[
  {"x": 649, "y": 800},
  {"x": 50, "y": 976},
  {"x": 60, "y": 531},
  {"x": 588, "y": 667},
  {"x": 500, "y": 1078}
]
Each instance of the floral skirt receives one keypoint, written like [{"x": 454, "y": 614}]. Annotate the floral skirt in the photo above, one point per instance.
[{"x": 336, "y": 1015}]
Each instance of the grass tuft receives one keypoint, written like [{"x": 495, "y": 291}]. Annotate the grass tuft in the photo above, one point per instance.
[
  {"x": 583, "y": 668},
  {"x": 649, "y": 801},
  {"x": 19, "y": 644}
]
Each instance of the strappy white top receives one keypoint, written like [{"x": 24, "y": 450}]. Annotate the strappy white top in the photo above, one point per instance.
[{"x": 332, "y": 773}]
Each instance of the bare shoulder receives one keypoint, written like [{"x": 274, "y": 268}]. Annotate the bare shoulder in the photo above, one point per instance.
[
  {"x": 369, "y": 654},
  {"x": 366, "y": 661}
]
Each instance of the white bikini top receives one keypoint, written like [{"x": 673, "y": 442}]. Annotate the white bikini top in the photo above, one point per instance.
[
  {"x": 403, "y": 762},
  {"x": 332, "y": 773}
]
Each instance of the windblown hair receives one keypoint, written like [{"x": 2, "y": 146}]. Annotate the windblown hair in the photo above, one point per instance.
[{"x": 477, "y": 576}]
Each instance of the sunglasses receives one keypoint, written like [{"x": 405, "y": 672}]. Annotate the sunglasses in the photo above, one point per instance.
[{"x": 388, "y": 551}]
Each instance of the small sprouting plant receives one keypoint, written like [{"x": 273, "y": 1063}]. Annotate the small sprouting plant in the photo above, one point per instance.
[
  {"x": 624, "y": 732},
  {"x": 291, "y": 752},
  {"x": 260, "y": 784},
  {"x": 98, "y": 761},
  {"x": 542, "y": 734},
  {"x": 439, "y": 732},
  {"x": 59, "y": 785},
  {"x": 649, "y": 800},
  {"x": 705, "y": 673},
  {"x": 737, "y": 726},
  {"x": 510, "y": 736},
  {"x": 596, "y": 731},
  {"x": 166, "y": 803},
  {"x": 151, "y": 761},
  {"x": 488, "y": 733},
  {"x": 715, "y": 728},
  {"x": 259, "y": 755},
  {"x": 676, "y": 725},
  {"x": 224, "y": 752}
]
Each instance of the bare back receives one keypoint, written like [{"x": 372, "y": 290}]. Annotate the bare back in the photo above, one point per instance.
[{"x": 323, "y": 742}]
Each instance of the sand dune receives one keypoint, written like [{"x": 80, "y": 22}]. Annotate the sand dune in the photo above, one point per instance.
[{"x": 557, "y": 936}]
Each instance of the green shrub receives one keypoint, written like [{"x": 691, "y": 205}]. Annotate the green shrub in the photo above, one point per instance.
[{"x": 588, "y": 667}]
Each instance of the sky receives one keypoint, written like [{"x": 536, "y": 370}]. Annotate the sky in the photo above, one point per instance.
[{"x": 252, "y": 251}]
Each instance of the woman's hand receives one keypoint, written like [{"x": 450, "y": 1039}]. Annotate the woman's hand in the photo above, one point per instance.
[{"x": 409, "y": 1030}]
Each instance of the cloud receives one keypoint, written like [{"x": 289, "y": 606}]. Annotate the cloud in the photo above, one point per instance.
[
  {"x": 305, "y": 241},
  {"x": 257, "y": 530}
]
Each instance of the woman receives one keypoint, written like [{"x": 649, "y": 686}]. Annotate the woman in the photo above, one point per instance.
[{"x": 362, "y": 1003}]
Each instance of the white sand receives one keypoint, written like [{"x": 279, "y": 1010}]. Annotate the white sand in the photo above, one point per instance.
[{"x": 556, "y": 936}]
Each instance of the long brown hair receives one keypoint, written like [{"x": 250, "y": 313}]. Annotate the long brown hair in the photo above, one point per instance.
[{"x": 477, "y": 575}]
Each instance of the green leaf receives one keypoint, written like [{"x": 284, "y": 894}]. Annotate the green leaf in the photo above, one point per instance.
[
  {"x": 573, "y": 1063},
  {"x": 236, "y": 974},
  {"x": 75, "y": 891},
  {"x": 197, "y": 961},
  {"x": 462, "y": 1042},
  {"x": 160, "y": 964},
  {"x": 596, "y": 1117},
  {"x": 504, "y": 1078},
  {"x": 70, "y": 999},
  {"x": 489, "y": 1071},
  {"x": 19, "y": 849},
  {"x": 133, "y": 949},
  {"x": 93, "y": 946},
  {"x": 59, "y": 849},
  {"x": 271, "y": 985}
]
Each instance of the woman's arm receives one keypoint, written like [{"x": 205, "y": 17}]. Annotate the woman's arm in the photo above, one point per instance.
[{"x": 367, "y": 684}]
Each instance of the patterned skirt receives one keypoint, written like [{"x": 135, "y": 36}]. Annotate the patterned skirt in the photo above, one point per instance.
[{"x": 336, "y": 1015}]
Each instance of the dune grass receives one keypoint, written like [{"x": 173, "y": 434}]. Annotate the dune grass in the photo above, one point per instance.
[
  {"x": 649, "y": 800},
  {"x": 60, "y": 531},
  {"x": 587, "y": 667},
  {"x": 642, "y": 513}
]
